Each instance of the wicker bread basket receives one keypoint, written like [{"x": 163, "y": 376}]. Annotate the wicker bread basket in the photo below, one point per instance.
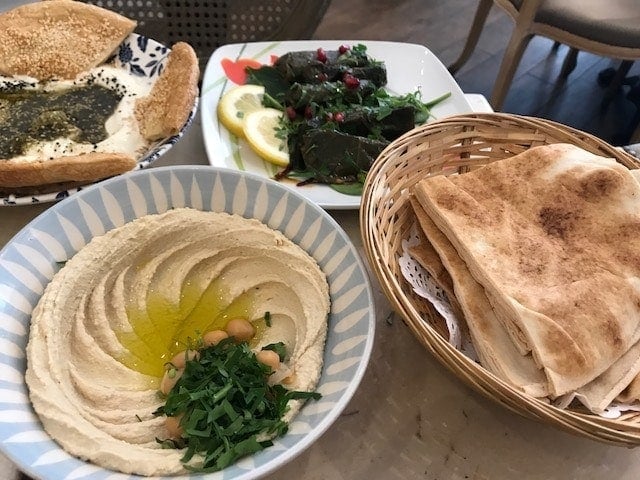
[{"x": 386, "y": 217}]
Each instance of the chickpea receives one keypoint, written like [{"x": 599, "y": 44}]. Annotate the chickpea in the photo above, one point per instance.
[
  {"x": 214, "y": 337},
  {"x": 179, "y": 360},
  {"x": 269, "y": 358},
  {"x": 169, "y": 380},
  {"x": 290, "y": 379},
  {"x": 240, "y": 329},
  {"x": 174, "y": 429}
]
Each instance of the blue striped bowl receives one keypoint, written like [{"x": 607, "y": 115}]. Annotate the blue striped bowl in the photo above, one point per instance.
[{"x": 29, "y": 261}]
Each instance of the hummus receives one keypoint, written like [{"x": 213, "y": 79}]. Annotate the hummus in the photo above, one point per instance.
[{"x": 130, "y": 299}]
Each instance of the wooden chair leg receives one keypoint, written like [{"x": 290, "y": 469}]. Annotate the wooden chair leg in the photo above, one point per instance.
[
  {"x": 635, "y": 135},
  {"x": 474, "y": 34},
  {"x": 617, "y": 80},
  {"x": 570, "y": 62},
  {"x": 517, "y": 44}
]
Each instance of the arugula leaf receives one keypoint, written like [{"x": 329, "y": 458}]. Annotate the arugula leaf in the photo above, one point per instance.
[{"x": 226, "y": 407}]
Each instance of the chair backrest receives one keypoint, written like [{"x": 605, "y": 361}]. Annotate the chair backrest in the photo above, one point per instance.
[{"x": 208, "y": 24}]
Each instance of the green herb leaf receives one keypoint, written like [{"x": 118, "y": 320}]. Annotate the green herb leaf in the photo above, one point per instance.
[
  {"x": 275, "y": 86},
  {"x": 226, "y": 405},
  {"x": 279, "y": 348},
  {"x": 348, "y": 188}
]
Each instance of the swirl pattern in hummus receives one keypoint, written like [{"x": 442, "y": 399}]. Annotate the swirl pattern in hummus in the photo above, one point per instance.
[{"x": 127, "y": 301}]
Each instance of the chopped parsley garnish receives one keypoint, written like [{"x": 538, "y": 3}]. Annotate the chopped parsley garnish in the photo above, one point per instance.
[{"x": 226, "y": 406}]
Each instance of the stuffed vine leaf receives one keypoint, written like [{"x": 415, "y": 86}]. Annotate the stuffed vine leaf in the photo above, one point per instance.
[{"x": 336, "y": 158}]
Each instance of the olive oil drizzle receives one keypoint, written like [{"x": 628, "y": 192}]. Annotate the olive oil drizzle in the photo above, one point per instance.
[
  {"x": 29, "y": 116},
  {"x": 164, "y": 328}
]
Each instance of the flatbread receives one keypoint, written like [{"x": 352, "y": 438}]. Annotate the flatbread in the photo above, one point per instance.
[
  {"x": 631, "y": 393},
  {"x": 598, "y": 394},
  {"x": 57, "y": 26},
  {"x": 490, "y": 339},
  {"x": 58, "y": 38},
  {"x": 79, "y": 168},
  {"x": 165, "y": 110},
  {"x": 428, "y": 258},
  {"x": 553, "y": 237}
]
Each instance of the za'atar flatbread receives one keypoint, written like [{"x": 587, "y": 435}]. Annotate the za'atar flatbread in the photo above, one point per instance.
[{"x": 51, "y": 50}]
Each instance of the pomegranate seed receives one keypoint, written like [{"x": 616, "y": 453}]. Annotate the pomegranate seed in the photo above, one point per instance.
[
  {"x": 350, "y": 81},
  {"x": 308, "y": 111},
  {"x": 344, "y": 49},
  {"x": 291, "y": 113},
  {"x": 338, "y": 117},
  {"x": 321, "y": 55}
]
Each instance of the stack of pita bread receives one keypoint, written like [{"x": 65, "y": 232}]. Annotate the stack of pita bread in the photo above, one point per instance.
[{"x": 541, "y": 254}]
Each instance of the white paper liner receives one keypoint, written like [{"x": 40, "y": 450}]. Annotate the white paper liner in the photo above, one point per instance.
[
  {"x": 423, "y": 285},
  {"x": 615, "y": 410}
]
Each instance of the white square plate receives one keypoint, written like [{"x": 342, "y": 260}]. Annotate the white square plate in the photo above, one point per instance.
[{"x": 409, "y": 67}]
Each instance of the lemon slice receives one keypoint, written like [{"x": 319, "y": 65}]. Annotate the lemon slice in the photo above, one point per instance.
[
  {"x": 235, "y": 104},
  {"x": 260, "y": 129}
]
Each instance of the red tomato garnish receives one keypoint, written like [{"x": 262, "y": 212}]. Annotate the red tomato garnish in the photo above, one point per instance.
[{"x": 235, "y": 70}]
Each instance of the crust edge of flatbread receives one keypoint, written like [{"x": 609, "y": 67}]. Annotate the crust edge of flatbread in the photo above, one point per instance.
[
  {"x": 78, "y": 168},
  {"x": 163, "y": 112}
]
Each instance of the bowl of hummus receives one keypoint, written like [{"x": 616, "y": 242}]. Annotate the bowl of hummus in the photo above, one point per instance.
[
  {"x": 83, "y": 98},
  {"x": 116, "y": 292}
]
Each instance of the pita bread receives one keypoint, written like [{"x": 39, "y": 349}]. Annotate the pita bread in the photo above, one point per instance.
[
  {"x": 428, "y": 258},
  {"x": 494, "y": 347},
  {"x": 631, "y": 393},
  {"x": 58, "y": 38},
  {"x": 599, "y": 393},
  {"x": 553, "y": 237},
  {"x": 79, "y": 168},
  {"x": 165, "y": 110}
]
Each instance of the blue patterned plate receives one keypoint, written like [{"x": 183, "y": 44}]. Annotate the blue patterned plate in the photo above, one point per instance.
[
  {"x": 141, "y": 57},
  {"x": 29, "y": 261}
]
